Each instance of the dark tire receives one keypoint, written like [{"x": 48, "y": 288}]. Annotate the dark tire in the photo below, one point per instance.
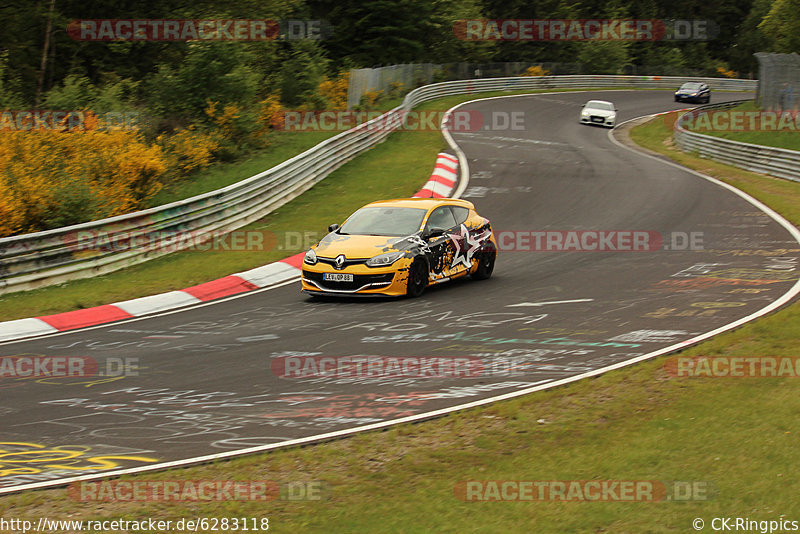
[
  {"x": 708, "y": 99},
  {"x": 485, "y": 265},
  {"x": 417, "y": 279}
]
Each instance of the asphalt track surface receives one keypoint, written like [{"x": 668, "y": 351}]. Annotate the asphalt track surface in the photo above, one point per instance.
[{"x": 207, "y": 380}]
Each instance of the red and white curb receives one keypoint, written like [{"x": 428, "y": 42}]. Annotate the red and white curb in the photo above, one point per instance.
[
  {"x": 439, "y": 185},
  {"x": 267, "y": 275},
  {"x": 443, "y": 179}
]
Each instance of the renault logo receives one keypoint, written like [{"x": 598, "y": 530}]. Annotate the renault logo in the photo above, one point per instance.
[{"x": 339, "y": 261}]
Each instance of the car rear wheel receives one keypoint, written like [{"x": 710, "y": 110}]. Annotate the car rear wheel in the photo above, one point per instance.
[
  {"x": 485, "y": 265},
  {"x": 417, "y": 279}
]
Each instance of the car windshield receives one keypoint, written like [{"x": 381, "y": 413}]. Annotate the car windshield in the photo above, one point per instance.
[
  {"x": 596, "y": 104},
  {"x": 690, "y": 86},
  {"x": 384, "y": 220}
]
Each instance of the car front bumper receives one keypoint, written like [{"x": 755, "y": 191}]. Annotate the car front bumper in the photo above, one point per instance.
[
  {"x": 391, "y": 280},
  {"x": 689, "y": 98},
  {"x": 598, "y": 120}
]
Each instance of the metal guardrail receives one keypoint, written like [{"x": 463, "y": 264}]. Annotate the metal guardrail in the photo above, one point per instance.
[
  {"x": 415, "y": 74},
  {"x": 54, "y": 256},
  {"x": 773, "y": 161}
]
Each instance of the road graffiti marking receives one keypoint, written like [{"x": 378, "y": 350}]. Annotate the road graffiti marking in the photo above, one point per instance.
[{"x": 24, "y": 458}]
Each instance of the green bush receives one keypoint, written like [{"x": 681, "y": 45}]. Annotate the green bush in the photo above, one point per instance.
[
  {"x": 210, "y": 72},
  {"x": 301, "y": 73}
]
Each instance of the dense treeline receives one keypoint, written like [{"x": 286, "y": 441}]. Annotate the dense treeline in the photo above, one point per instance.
[
  {"x": 211, "y": 100},
  {"x": 366, "y": 33}
]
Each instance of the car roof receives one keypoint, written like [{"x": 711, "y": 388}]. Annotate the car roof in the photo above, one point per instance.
[
  {"x": 425, "y": 203},
  {"x": 599, "y": 102}
]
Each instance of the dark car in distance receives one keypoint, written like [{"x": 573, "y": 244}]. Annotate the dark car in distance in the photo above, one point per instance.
[{"x": 693, "y": 92}]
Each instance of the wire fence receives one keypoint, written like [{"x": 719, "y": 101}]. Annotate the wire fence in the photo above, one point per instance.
[
  {"x": 779, "y": 81},
  {"x": 412, "y": 75}
]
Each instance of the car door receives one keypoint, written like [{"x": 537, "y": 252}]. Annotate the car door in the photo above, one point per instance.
[
  {"x": 437, "y": 234},
  {"x": 465, "y": 237}
]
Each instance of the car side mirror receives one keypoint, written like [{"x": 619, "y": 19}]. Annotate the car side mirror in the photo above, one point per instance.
[
  {"x": 333, "y": 227},
  {"x": 435, "y": 232}
]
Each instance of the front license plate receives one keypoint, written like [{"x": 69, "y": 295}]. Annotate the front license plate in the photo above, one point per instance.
[{"x": 337, "y": 277}]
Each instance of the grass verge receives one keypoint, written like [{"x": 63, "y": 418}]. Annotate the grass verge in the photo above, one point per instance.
[
  {"x": 779, "y": 194},
  {"x": 778, "y": 134},
  {"x": 283, "y": 146},
  {"x": 739, "y": 436}
]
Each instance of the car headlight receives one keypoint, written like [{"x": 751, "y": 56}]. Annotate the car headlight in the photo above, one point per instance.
[
  {"x": 584, "y": 113},
  {"x": 311, "y": 257},
  {"x": 382, "y": 260}
]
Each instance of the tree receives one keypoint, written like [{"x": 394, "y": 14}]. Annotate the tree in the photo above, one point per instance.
[
  {"x": 301, "y": 72},
  {"x": 782, "y": 26},
  {"x": 210, "y": 72},
  {"x": 9, "y": 85},
  {"x": 604, "y": 57},
  {"x": 749, "y": 40},
  {"x": 380, "y": 32}
]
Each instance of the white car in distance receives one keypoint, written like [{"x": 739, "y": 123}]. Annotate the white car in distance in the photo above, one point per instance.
[{"x": 599, "y": 112}]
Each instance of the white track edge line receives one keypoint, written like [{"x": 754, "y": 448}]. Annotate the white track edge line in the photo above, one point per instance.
[
  {"x": 444, "y": 411},
  {"x": 292, "y": 280}
]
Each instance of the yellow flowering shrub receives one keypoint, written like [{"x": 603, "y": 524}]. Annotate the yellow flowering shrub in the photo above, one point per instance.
[
  {"x": 370, "y": 98},
  {"x": 99, "y": 173},
  {"x": 188, "y": 150},
  {"x": 536, "y": 70},
  {"x": 12, "y": 219},
  {"x": 270, "y": 114},
  {"x": 334, "y": 91},
  {"x": 224, "y": 119},
  {"x": 395, "y": 88}
]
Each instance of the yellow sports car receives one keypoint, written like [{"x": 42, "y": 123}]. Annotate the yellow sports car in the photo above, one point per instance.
[{"x": 398, "y": 247}]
